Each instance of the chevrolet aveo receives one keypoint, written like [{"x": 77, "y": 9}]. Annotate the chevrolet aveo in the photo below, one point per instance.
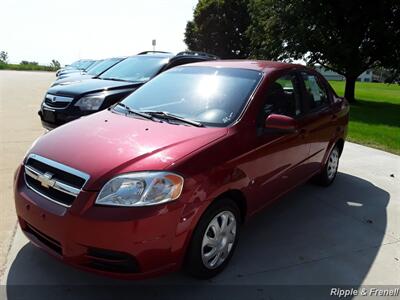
[{"x": 165, "y": 178}]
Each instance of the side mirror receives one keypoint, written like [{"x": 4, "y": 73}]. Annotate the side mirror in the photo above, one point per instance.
[{"x": 280, "y": 123}]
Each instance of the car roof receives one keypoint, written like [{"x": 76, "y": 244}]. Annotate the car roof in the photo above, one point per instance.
[
  {"x": 265, "y": 66},
  {"x": 117, "y": 57},
  {"x": 189, "y": 53},
  {"x": 154, "y": 54}
]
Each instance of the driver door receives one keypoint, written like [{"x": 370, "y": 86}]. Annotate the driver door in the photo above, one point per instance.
[{"x": 277, "y": 162}]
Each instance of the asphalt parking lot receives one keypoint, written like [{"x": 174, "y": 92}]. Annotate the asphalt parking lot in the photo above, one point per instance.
[{"x": 347, "y": 234}]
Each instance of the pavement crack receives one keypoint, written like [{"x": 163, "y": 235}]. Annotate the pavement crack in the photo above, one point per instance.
[{"x": 3, "y": 267}]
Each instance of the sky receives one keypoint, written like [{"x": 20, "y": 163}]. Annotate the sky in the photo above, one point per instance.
[{"x": 67, "y": 30}]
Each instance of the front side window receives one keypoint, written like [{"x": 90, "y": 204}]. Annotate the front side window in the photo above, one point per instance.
[
  {"x": 135, "y": 68},
  {"x": 315, "y": 93},
  {"x": 211, "y": 96},
  {"x": 282, "y": 97}
]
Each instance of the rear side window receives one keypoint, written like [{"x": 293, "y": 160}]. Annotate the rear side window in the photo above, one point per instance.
[{"x": 316, "y": 94}]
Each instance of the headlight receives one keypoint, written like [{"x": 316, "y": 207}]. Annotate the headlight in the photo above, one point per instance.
[
  {"x": 91, "y": 101},
  {"x": 141, "y": 189}
]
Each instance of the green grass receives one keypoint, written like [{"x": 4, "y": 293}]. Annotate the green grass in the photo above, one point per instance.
[
  {"x": 27, "y": 67},
  {"x": 375, "y": 118}
]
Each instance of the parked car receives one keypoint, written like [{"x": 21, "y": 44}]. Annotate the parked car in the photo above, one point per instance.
[
  {"x": 64, "y": 103},
  {"x": 82, "y": 64},
  {"x": 96, "y": 69},
  {"x": 72, "y": 72},
  {"x": 166, "y": 177},
  {"x": 92, "y": 72}
]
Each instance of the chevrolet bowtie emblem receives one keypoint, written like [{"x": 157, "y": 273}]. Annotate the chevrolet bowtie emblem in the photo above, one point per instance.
[{"x": 46, "y": 180}]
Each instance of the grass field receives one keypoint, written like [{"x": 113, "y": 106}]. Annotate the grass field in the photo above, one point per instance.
[
  {"x": 25, "y": 67},
  {"x": 375, "y": 118}
]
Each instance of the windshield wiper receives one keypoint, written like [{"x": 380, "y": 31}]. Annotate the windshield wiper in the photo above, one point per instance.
[
  {"x": 113, "y": 79},
  {"x": 167, "y": 115},
  {"x": 135, "y": 112}
]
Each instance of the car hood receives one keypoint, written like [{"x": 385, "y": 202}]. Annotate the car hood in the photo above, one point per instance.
[
  {"x": 69, "y": 74},
  {"x": 71, "y": 71},
  {"x": 72, "y": 79},
  {"x": 90, "y": 86},
  {"x": 106, "y": 144}
]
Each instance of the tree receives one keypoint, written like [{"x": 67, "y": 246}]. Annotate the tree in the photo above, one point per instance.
[
  {"x": 219, "y": 27},
  {"x": 345, "y": 36},
  {"x": 3, "y": 57},
  {"x": 25, "y": 62},
  {"x": 55, "y": 64}
]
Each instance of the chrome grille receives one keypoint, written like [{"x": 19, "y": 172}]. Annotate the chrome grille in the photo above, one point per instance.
[
  {"x": 54, "y": 101},
  {"x": 54, "y": 181}
]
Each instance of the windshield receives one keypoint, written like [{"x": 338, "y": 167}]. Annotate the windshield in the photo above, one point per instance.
[
  {"x": 86, "y": 64},
  {"x": 75, "y": 63},
  {"x": 102, "y": 66},
  {"x": 135, "y": 68},
  {"x": 94, "y": 65},
  {"x": 211, "y": 96}
]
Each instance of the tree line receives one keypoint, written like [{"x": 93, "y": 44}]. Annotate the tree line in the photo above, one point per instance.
[
  {"x": 27, "y": 65},
  {"x": 348, "y": 37}
]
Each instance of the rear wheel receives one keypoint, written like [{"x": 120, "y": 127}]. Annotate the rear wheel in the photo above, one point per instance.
[
  {"x": 328, "y": 174},
  {"x": 214, "y": 240}
]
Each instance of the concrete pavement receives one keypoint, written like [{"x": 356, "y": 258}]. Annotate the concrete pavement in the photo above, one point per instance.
[
  {"x": 20, "y": 96},
  {"x": 346, "y": 234}
]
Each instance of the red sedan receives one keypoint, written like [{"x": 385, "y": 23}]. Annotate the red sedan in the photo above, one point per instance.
[{"x": 166, "y": 178}]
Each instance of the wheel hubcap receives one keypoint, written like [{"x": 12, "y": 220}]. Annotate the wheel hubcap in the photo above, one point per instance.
[
  {"x": 333, "y": 163},
  {"x": 218, "y": 239}
]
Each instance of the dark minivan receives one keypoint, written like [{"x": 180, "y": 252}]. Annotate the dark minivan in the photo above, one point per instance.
[{"x": 64, "y": 103}]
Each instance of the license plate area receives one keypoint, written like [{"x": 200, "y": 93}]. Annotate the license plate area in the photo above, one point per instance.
[{"x": 49, "y": 115}]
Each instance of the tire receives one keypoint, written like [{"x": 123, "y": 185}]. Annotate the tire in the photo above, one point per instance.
[
  {"x": 328, "y": 174},
  {"x": 201, "y": 258}
]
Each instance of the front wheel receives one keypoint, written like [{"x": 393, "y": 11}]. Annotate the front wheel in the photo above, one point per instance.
[
  {"x": 328, "y": 174},
  {"x": 214, "y": 240}
]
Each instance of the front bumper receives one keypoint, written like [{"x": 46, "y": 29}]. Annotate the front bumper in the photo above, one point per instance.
[
  {"x": 60, "y": 117},
  {"x": 129, "y": 243}
]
